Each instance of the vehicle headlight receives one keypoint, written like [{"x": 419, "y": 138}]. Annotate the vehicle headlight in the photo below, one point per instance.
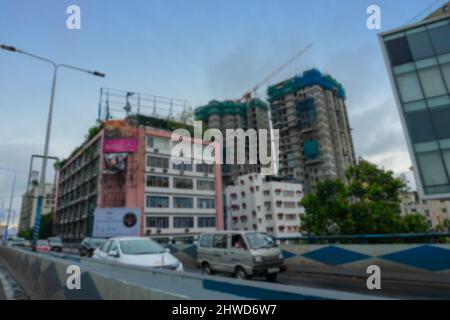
[
  {"x": 280, "y": 256},
  {"x": 258, "y": 259}
]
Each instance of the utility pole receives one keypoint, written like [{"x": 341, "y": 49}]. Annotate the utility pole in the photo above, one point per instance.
[{"x": 55, "y": 66}]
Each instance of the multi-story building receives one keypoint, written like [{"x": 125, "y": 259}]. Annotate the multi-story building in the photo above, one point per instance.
[
  {"x": 418, "y": 61},
  {"x": 236, "y": 115},
  {"x": 175, "y": 199},
  {"x": 29, "y": 204},
  {"x": 315, "y": 141},
  {"x": 435, "y": 211},
  {"x": 264, "y": 203}
]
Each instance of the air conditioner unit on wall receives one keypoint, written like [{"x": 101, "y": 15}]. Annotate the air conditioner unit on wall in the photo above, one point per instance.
[{"x": 186, "y": 230}]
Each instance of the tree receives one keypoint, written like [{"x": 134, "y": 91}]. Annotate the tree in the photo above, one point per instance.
[
  {"x": 45, "y": 230},
  {"x": 369, "y": 203},
  {"x": 415, "y": 223}
]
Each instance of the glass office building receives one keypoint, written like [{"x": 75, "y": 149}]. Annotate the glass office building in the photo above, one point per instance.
[{"x": 418, "y": 60}]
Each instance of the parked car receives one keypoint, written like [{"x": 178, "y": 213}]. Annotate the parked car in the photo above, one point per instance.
[
  {"x": 137, "y": 251},
  {"x": 42, "y": 246},
  {"x": 242, "y": 253},
  {"x": 88, "y": 245},
  {"x": 55, "y": 244}
]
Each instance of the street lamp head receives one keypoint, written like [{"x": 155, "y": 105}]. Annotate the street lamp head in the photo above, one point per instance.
[
  {"x": 98, "y": 74},
  {"x": 9, "y": 48}
]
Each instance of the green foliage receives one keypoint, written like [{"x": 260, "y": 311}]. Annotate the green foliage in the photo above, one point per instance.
[
  {"x": 368, "y": 204},
  {"x": 45, "y": 229},
  {"x": 46, "y": 226},
  {"x": 27, "y": 234},
  {"x": 415, "y": 223}
]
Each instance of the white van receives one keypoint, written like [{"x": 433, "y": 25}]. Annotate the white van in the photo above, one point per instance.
[{"x": 242, "y": 253}]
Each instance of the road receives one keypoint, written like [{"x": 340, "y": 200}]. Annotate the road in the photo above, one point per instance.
[{"x": 389, "y": 288}]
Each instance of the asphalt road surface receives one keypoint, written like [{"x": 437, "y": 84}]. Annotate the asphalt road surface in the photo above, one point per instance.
[
  {"x": 389, "y": 288},
  {"x": 398, "y": 289}
]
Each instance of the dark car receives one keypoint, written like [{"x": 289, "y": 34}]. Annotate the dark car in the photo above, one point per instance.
[
  {"x": 88, "y": 245},
  {"x": 55, "y": 244}
]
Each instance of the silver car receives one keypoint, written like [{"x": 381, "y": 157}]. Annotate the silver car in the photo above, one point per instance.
[{"x": 242, "y": 253}]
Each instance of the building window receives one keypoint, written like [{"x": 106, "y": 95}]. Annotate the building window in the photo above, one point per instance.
[
  {"x": 183, "y": 222},
  {"x": 157, "y": 202},
  {"x": 206, "y": 222},
  {"x": 409, "y": 87},
  {"x": 266, "y": 192},
  {"x": 182, "y": 202},
  {"x": 441, "y": 38},
  {"x": 288, "y": 193},
  {"x": 206, "y": 203},
  {"x": 420, "y": 126},
  {"x": 205, "y": 168},
  {"x": 205, "y": 185},
  {"x": 399, "y": 51},
  {"x": 157, "y": 162},
  {"x": 432, "y": 82},
  {"x": 182, "y": 166},
  {"x": 432, "y": 168},
  {"x": 157, "y": 181},
  {"x": 162, "y": 144},
  {"x": 179, "y": 183},
  {"x": 420, "y": 45},
  {"x": 157, "y": 222}
]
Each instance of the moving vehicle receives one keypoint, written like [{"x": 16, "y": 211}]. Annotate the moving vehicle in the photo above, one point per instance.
[
  {"x": 137, "y": 251},
  {"x": 42, "y": 246},
  {"x": 55, "y": 244},
  {"x": 88, "y": 245},
  {"x": 17, "y": 242},
  {"x": 242, "y": 253}
]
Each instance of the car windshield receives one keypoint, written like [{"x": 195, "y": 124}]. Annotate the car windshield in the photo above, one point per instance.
[
  {"x": 19, "y": 240},
  {"x": 55, "y": 240},
  {"x": 95, "y": 242},
  {"x": 42, "y": 243},
  {"x": 140, "y": 246},
  {"x": 260, "y": 240}
]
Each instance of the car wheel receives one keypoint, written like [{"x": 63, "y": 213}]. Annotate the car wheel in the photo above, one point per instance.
[
  {"x": 271, "y": 277},
  {"x": 206, "y": 268},
  {"x": 240, "y": 273}
]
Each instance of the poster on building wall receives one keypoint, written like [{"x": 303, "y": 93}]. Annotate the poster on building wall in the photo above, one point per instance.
[
  {"x": 115, "y": 222},
  {"x": 120, "y": 136},
  {"x": 115, "y": 163}
]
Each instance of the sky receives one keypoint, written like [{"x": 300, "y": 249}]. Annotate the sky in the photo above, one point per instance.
[{"x": 196, "y": 50}]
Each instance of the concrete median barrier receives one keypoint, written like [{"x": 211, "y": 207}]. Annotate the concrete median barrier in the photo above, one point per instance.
[{"x": 44, "y": 276}]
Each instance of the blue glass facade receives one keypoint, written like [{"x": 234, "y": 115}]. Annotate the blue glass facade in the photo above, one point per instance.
[{"x": 419, "y": 59}]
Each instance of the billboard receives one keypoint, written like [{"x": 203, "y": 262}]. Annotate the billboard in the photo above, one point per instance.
[
  {"x": 120, "y": 136},
  {"x": 115, "y": 222},
  {"x": 115, "y": 163}
]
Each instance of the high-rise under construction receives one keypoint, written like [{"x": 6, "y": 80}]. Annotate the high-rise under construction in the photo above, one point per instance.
[
  {"x": 315, "y": 136},
  {"x": 230, "y": 114}
]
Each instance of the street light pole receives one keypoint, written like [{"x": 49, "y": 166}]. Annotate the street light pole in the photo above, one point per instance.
[
  {"x": 37, "y": 222},
  {"x": 8, "y": 216}
]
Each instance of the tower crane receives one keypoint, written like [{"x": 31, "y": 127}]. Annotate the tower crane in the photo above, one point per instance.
[{"x": 248, "y": 95}]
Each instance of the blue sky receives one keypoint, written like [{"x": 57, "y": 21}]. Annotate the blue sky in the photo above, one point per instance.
[{"x": 197, "y": 50}]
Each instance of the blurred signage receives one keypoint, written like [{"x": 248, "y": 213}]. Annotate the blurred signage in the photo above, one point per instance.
[
  {"x": 114, "y": 222},
  {"x": 120, "y": 136}
]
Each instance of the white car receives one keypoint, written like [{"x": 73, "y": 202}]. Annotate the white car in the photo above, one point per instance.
[{"x": 136, "y": 251}]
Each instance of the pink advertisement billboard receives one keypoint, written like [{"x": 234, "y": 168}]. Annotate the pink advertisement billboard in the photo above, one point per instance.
[
  {"x": 120, "y": 137},
  {"x": 120, "y": 145}
]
